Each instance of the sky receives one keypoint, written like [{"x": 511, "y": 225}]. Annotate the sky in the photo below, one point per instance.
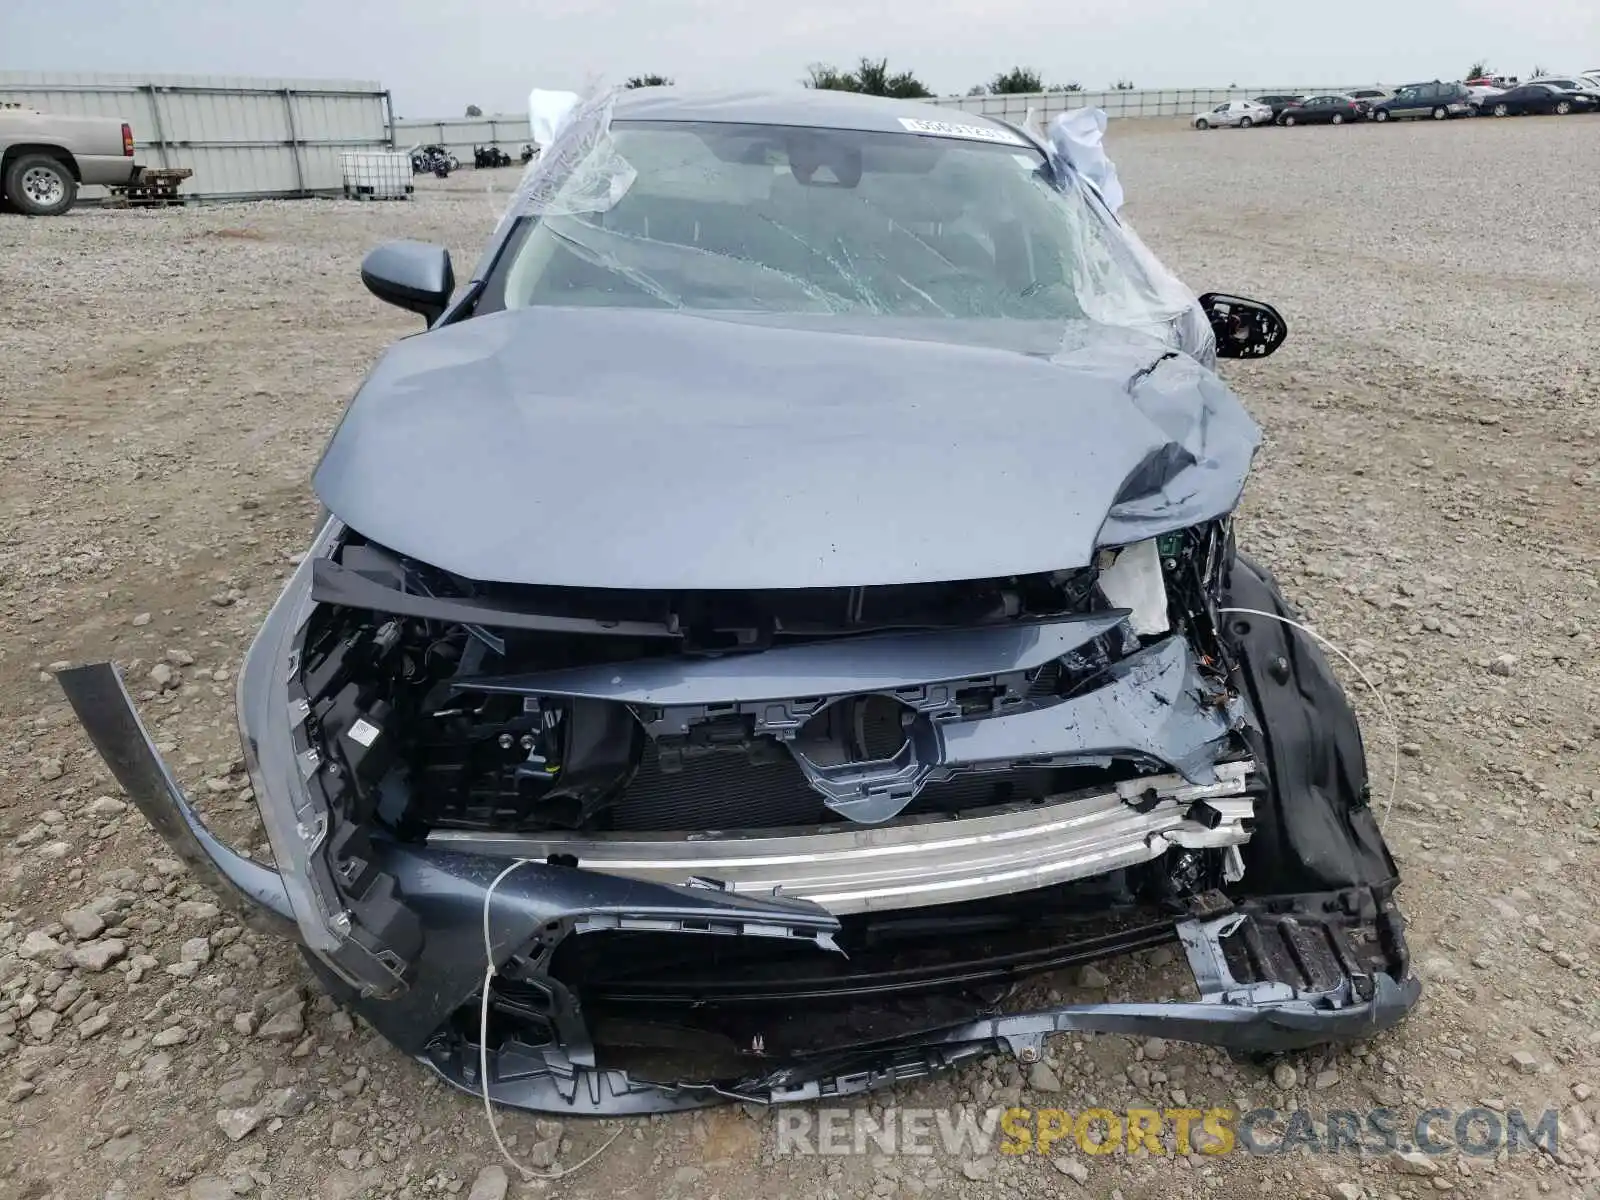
[{"x": 438, "y": 56}]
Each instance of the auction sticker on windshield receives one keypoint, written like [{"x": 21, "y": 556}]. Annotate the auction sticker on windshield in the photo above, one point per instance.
[{"x": 977, "y": 133}]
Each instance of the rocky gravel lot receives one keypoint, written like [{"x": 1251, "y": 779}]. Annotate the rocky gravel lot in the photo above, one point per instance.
[{"x": 1429, "y": 493}]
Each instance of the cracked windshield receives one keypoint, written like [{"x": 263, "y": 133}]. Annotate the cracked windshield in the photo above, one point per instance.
[{"x": 791, "y": 220}]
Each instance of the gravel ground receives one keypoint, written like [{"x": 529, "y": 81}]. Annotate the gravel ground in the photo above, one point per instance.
[{"x": 1427, "y": 492}]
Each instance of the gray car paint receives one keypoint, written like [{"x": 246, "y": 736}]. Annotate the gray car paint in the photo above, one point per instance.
[
  {"x": 881, "y": 663},
  {"x": 631, "y": 448},
  {"x": 1156, "y": 706},
  {"x": 820, "y": 108}
]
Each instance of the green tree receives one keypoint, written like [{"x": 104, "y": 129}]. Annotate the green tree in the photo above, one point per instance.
[
  {"x": 1074, "y": 86},
  {"x": 639, "y": 81},
  {"x": 978, "y": 89},
  {"x": 1538, "y": 71},
  {"x": 871, "y": 78},
  {"x": 474, "y": 111},
  {"x": 1477, "y": 70},
  {"x": 826, "y": 78},
  {"x": 1122, "y": 85},
  {"x": 1016, "y": 81}
]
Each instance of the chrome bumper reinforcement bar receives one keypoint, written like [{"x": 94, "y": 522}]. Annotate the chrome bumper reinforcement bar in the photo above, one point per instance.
[{"x": 861, "y": 868}]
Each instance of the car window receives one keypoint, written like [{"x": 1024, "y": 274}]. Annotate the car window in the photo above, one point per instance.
[
  {"x": 765, "y": 219},
  {"x": 1222, "y": 108}
]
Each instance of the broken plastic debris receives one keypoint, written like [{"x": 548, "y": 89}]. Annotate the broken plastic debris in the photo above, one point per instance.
[
  {"x": 579, "y": 170},
  {"x": 1134, "y": 581},
  {"x": 1077, "y": 136}
]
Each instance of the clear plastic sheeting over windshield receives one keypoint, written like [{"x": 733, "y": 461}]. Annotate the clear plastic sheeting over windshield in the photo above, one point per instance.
[
  {"x": 777, "y": 219},
  {"x": 579, "y": 170}
]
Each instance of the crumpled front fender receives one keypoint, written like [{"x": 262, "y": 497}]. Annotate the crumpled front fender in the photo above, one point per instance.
[{"x": 255, "y": 892}]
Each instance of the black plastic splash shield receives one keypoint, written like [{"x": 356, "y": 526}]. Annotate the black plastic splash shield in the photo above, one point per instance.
[{"x": 1273, "y": 977}]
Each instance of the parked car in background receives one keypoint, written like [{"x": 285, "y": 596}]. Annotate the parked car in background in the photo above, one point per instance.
[
  {"x": 44, "y": 158},
  {"x": 1438, "y": 100},
  {"x": 1571, "y": 83},
  {"x": 1369, "y": 96},
  {"x": 1479, "y": 94},
  {"x": 1278, "y": 103},
  {"x": 1499, "y": 82},
  {"x": 1541, "y": 98},
  {"x": 1241, "y": 114},
  {"x": 1332, "y": 109}
]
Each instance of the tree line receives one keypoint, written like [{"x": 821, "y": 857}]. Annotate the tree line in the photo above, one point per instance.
[{"x": 872, "y": 77}]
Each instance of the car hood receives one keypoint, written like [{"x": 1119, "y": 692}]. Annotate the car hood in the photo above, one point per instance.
[{"x": 629, "y": 448}]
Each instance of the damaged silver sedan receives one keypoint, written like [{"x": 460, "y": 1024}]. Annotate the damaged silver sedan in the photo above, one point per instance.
[{"x": 787, "y": 599}]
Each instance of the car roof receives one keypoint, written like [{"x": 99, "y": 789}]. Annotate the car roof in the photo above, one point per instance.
[{"x": 817, "y": 107}]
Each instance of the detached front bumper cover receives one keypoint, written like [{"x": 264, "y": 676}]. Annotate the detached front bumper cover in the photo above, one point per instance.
[{"x": 541, "y": 905}]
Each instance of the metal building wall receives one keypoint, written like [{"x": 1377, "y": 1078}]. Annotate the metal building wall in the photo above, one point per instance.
[
  {"x": 242, "y": 137},
  {"x": 458, "y": 135}
]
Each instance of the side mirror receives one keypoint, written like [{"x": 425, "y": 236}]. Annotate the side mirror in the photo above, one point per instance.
[
  {"x": 416, "y": 276},
  {"x": 1243, "y": 328}
]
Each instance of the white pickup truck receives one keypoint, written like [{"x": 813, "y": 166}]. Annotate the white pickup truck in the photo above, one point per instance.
[{"x": 44, "y": 158}]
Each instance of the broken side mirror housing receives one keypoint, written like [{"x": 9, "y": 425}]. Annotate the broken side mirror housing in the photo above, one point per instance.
[
  {"x": 416, "y": 276},
  {"x": 1244, "y": 328}
]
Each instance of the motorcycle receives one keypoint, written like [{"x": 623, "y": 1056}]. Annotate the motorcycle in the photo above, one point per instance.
[
  {"x": 490, "y": 156},
  {"x": 433, "y": 160}
]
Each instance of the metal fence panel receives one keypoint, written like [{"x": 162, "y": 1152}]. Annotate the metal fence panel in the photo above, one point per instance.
[
  {"x": 458, "y": 135},
  {"x": 241, "y": 136},
  {"x": 509, "y": 131}
]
